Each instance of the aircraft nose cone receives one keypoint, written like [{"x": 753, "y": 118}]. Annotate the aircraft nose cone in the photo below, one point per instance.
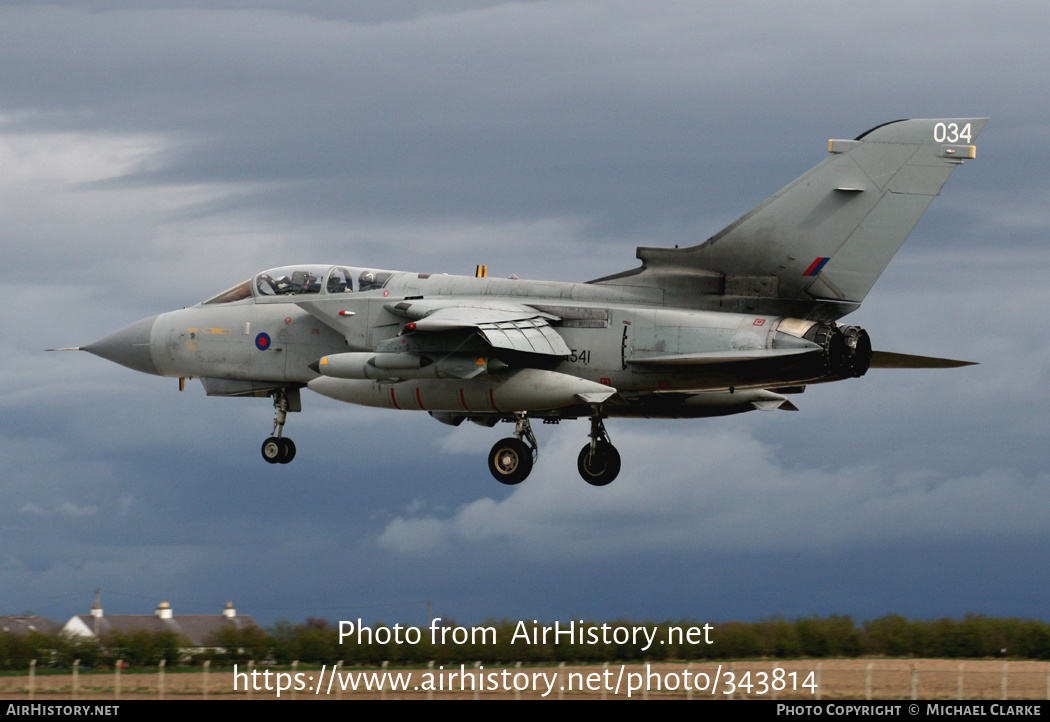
[{"x": 128, "y": 347}]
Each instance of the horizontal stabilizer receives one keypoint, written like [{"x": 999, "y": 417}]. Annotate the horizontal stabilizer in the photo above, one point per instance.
[
  {"x": 719, "y": 357},
  {"x": 887, "y": 360}
]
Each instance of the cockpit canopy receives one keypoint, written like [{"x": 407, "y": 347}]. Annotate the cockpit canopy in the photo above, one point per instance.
[{"x": 304, "y": 280}]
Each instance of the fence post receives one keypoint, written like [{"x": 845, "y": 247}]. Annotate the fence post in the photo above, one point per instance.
[
  {"x": 688, "y": 689},
  {"x": 561, "y": 680},
  {"x": 295, "y": 668},
  {"x": 820, "y": 678},
  {"x": 76, "y": 670},
  {"x": 1005, "y": 665},
  {"x": 207, "y": 668},
  {"x": 914, "y": 681},
  {"x": 249, "y": 685},
  {"x": 160, "y": 678},
  {"x": 430, "y": 669},
  {"x": 517, "y": 692},
  {"x": 116, "y": 675},
  {"x": 382, "y": 679},
  {"x": 773, "y": 676},
  {"x": 32, "y": 678},
  {"x": 959, "y": 683},
  {"x": 867, "y": 681}
]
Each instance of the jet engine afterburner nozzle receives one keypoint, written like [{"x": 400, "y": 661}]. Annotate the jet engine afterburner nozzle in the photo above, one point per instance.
[{"x": 847, "y": 349}]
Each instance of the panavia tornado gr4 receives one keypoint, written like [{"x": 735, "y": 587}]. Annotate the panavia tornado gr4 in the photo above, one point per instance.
[{"x": 736, "y": 323}]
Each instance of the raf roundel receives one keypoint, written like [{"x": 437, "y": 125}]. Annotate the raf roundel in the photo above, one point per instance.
[{"x": 262, "y": 341}]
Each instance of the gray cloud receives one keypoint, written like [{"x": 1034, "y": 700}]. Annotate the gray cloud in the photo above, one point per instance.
[{"x": 726, "y": 492}]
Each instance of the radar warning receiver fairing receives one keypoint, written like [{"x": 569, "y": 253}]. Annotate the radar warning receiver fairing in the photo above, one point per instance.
[{"x": 739, "y": 322}]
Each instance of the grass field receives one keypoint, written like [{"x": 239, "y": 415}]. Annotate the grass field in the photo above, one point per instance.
[{"x": 853, "y": 679}]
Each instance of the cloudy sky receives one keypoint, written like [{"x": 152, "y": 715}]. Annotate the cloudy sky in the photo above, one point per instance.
[{"x": 154, "y": 154}]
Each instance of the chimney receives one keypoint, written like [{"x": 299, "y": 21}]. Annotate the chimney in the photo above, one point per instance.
[
  {"x": 229, "y": 612},
  {"x": 96, "y": 611},
  {"x": 164, "y": 610}
]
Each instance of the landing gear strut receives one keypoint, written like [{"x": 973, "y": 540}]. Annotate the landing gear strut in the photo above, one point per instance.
[
  {"x": 277, "y": 449},
  {"x": 599, "y": 461},
  {"x": 511, "y": 459}
]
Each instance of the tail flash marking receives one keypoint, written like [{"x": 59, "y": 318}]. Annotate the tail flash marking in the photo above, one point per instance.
[{"x": 814, "y": 268}]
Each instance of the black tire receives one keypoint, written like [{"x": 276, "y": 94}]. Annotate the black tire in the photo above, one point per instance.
[
  {"x": 272, "y": 450},
  {"x": 287, "y": 450},
  {"x": 603, "y": 467},
  {"x": 510, "y": 461}
]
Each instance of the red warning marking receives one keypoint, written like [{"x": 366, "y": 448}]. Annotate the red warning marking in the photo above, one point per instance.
[
  {"x": 463, "y": 400},
  {"x": 419, "y": 400},
  {"x": 492, "y": 400},
  {"x": 394, "y": 398}
]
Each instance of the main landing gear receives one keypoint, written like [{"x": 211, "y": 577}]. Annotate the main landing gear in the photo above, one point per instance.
[
  {"x": 599, "y": 461},
  {"x": 277, "y": 449},
  {"x": 511, "y": 459}
]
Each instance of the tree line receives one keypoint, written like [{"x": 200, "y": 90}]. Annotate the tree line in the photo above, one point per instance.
[{"x": 316, "y": 641}]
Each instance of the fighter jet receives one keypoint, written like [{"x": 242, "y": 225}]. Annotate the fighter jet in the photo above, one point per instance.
[{"x": 737, "y": 323}]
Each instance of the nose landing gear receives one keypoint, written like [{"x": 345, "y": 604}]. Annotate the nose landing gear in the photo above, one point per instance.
[{"x": 277, "y": 449}]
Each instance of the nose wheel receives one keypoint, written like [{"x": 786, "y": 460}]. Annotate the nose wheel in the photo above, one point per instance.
[{"x": 277, "y": 449}]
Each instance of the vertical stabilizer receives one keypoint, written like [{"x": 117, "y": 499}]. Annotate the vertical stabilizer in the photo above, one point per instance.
[{"x": 828, "y": 235}]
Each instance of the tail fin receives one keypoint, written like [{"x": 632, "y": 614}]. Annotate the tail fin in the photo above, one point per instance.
[{"x": 827, "y": 236}]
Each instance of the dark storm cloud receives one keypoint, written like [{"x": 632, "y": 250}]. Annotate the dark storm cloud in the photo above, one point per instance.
[
  {"x": 490, "y": 113},
  {"x": 505, "y": 112}
]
